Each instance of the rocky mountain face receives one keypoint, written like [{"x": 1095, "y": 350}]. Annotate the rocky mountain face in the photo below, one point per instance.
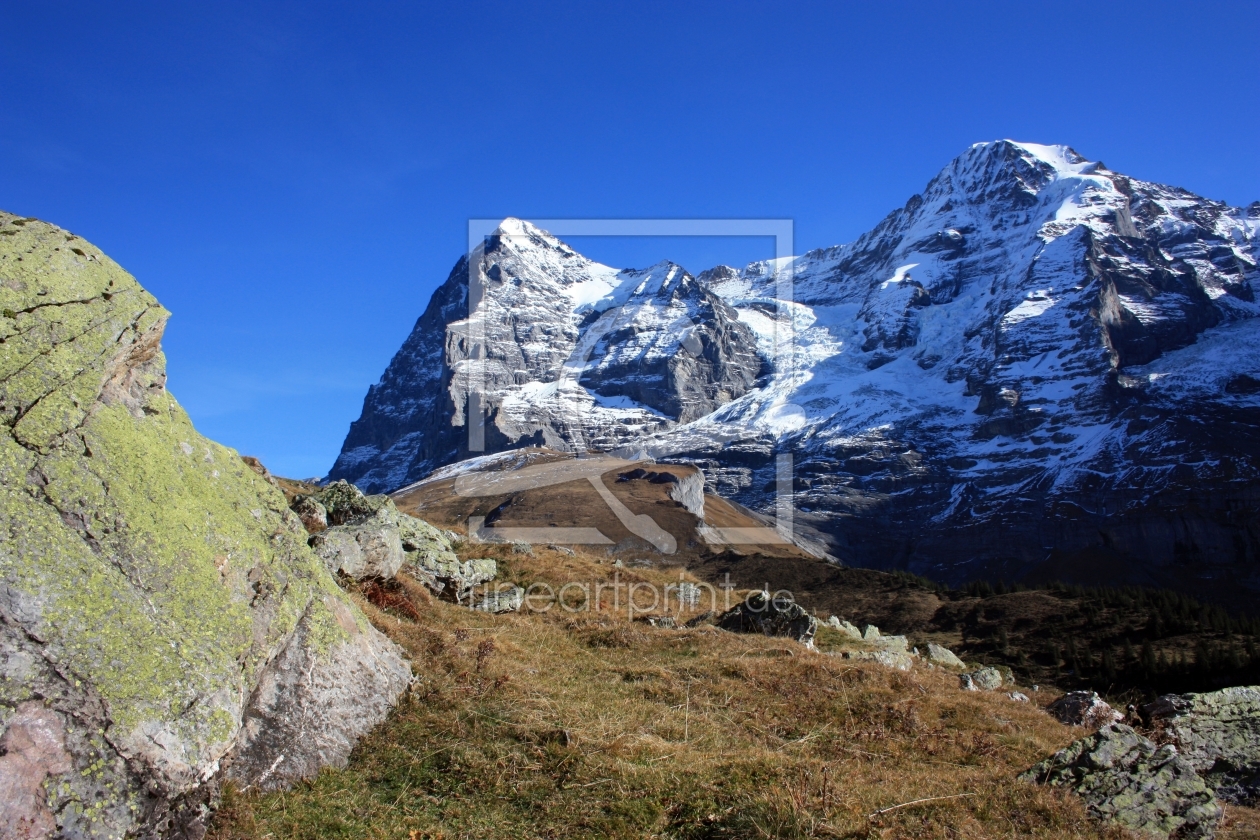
[
  {"x": 163, "y": 624},
  {"x": 1036, "y": 368},
  {"x": 564, "y": 352}
]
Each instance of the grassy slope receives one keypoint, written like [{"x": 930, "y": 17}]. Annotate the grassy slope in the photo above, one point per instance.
[{"x": 670, "y": 733}]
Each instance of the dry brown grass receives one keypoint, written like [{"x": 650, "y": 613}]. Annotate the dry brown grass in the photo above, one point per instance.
[{"x": 590, "y": 725}]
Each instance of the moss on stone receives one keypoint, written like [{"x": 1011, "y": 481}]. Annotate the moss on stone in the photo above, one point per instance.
[{"x": 152, "y": 564}]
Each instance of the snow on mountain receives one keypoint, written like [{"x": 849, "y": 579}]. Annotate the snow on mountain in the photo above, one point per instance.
[
  {"x": 1035, "y": 359},
  {"x": 565, "y": 352}
]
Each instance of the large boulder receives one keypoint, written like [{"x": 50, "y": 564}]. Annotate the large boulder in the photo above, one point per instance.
[
  {"x": 163, "y": 623},
  {"x": 760, "y": 613},
  {"x": 1126, "y": 778},
  {"x": 1219, "y": 734},
  {"x": 360, "y": 551}
]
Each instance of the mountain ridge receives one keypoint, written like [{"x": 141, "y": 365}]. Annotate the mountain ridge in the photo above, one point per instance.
[{"x": 1035, "y": 360}]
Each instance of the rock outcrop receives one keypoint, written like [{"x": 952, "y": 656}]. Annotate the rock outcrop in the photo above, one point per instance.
[
  {"x": 1219, "y": 734},
  {"x": 761, "y": 613},
  {"x": 163, "y": 622},
  {"x": 1126, "y": 778}
]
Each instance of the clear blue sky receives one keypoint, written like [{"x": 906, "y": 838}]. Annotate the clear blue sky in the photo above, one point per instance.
[{"x": 293, "y": 179}]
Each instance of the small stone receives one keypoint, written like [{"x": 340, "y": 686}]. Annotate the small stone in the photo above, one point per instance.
[
  {"x": 1018, "y": 696},
  {"x": 506, "y": 599},
  {"x": 1083, "y": 708},
  {"x": 939, "y": 655},
  {"x": 987, "y": 679}
]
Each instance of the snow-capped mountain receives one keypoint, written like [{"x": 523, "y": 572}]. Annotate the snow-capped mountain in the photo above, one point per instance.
[
  {"x": 562, "y": 352},
  {"x": 1035, "y": 367}
]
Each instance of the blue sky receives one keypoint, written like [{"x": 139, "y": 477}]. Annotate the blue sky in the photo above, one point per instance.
[{"x": 293, "y": 180}]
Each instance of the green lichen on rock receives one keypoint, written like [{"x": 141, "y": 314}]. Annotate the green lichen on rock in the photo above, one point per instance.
[
  {"x": 157, "y": 572},
  {"x": 1124, "y": 777}
]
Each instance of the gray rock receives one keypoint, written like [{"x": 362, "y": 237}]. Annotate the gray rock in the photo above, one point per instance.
[
  {"x": 1018, "y": 696},
  {"x": 161, "y": 615},
  {"x": 1219, "y": 734},
  {"x": 966, "y": 683},
  {"x": 986, "y": 679},
  {"x": 361, "y": 551},
  {"x": 901, "y": 660},
  {"x": 338, "y": 549},
  {"x": 667, "y": 622},
  {"x": 759, "y": 613},
  {"x": 1083, "y": 708},
  {"x": 1124, "y": 777},
  {"x": 450, "y": 577},
  {"x": 688, "y": 491},
  {"x": 938, "y": 655},
  {"x": 507, "y": 598},
  {"x": 296, "y": 724},
  {"x": 705, "y": 617},
  {"x": 870, "y": 633},
  {"x": 844, "y": 627},
  {"x": 897, "y": 644}
]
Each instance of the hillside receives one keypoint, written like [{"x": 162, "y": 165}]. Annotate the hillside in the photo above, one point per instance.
[{"x": 582, "y": 724}]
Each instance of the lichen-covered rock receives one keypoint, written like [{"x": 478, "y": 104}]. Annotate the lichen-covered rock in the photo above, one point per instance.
[
  {"x": 1124, "y": 777},
  {"x": 314, "y": 515},
  {"x": 1083, "y": 708},
  {"x": 982, "y": 679},
  {"x": 451, "y": 578},
  {"x": 347, "y": 505},
  {"x": 503, "y": 599},
  {"x": 938, "y": 655},
  {"x": 339, "y": 550},
  {"x": 870, "y": 633},
  {"x": 1219, "y": 734},
  {"x": 361, "y": 551},
  {"x": 152, "y": 585},
  {"x": 760, "y": 613}
]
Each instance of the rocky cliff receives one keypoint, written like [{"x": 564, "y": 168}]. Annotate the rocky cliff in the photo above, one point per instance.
[
  {"x": 1036, "y": 368},
  {"x": 163, "y": 624},
  {"x": 562, "y": 352}
]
